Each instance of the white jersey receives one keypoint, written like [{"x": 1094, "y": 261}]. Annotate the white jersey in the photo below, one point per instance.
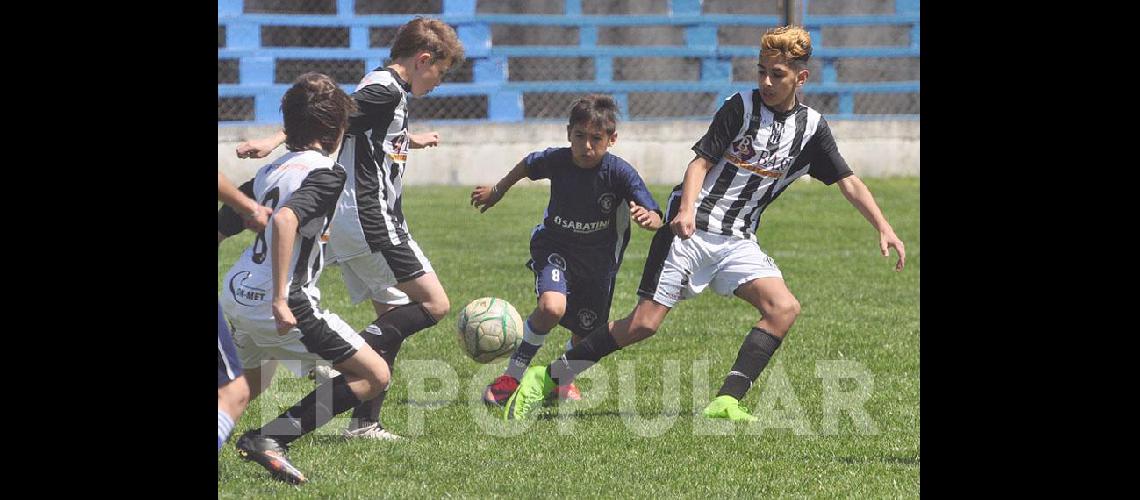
[
  {"x": 756, "y": 154},
  {"x": 369, "y": 216},
  {"x": 309, "y": 183}
]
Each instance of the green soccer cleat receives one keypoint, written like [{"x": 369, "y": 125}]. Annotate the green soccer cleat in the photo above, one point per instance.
[
  {"x": 728, "y": 407},
  {"x": 533, "y": 388}
]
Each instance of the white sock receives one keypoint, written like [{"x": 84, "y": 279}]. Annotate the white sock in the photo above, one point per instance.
[
  {"x": 520, "y": 360},
  {"x": 225, "y": 426}
]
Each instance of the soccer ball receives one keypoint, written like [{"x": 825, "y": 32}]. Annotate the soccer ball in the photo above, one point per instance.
[{"x": 489, "y": 328}]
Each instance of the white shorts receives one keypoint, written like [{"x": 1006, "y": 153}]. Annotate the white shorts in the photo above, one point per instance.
[
  {"x": 370, "y": 277},
  {"x": 319, "y": 335},
  {"x": 689, "y": 266}
]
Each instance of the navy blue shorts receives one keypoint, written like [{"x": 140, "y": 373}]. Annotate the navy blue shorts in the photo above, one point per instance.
[
  {"x": 229, "y": 365},
  {"x": 588, "y": 297}
]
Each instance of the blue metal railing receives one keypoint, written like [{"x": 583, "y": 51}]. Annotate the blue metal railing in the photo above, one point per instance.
[{"x": 490, "y": 62}]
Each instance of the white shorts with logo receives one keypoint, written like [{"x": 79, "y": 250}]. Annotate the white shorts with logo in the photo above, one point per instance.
[
  {"x": 329, "y": 337},
  {"x": 686, "y": 267},
  {"x": 369, "y": 276}
]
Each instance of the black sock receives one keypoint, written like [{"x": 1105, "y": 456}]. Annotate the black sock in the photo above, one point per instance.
[
  {"x": 309, "y": 413},
  {"x": 394, "y": 326},
  {"x": 386, "y": 335},
  {"x": 368, "y": 412},
  {"x": 584, "y": 355},
  {"x": 757, "y": 349}
]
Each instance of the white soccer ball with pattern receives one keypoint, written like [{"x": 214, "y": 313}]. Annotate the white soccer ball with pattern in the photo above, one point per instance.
[{"x": 489, "y": 328}]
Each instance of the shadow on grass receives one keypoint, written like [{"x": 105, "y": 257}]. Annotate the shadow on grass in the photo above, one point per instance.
[
  {"x": 912, "y": 461},
  {"x": 590, "y": 414}
]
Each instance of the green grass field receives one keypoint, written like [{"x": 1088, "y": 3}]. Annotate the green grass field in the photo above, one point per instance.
[{"x": 638, "y": 431}]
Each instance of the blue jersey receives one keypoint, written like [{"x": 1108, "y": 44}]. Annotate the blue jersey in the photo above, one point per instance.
[{"x": 588, "y": 213}]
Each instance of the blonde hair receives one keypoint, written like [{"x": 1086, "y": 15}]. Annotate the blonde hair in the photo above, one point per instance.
[
  {"x": 791, "y": 42},
  {"x": 428, "y": 35}
]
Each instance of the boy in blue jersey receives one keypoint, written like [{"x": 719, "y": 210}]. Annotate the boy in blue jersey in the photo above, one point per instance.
[{"x": 577, "y": 249}]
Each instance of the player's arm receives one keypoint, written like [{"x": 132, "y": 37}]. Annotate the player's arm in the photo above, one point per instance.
[
  {"x": 303, "y": 214},
  {"x": 260, "y": 148},
  {"x": 646, "y": 218},
  {"x": 643, "y": 209},
  {"x": 484, "y": 197},
  {"x": 685, "y": 223},
  {"x": 424, "y": 140},
  {"x": 230, "y": 222},
  {"x": 253, "y": 215},
  {"x": 828, "y": 165},
  {"x": 285, "y": 226},
  {"x": 860, "y": 197}
]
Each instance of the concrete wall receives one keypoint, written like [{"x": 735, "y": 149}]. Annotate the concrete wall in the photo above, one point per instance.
[{"x": 483, "y": 153}]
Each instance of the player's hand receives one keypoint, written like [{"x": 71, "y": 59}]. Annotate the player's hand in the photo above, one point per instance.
[
  {"x": 424, "y": 140},
  {"x": 647, "y": 219},
  {"x": 684, "y": 224},
  {"x": 255, "y": 148},
  {"x": 888, "y": 240},
  {"x": 484, "y": 197},
  {"x": 257, "y": 221},
  {"x": 283, "y": 316}
]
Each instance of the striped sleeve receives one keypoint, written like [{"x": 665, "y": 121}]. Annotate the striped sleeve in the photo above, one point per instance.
[
  {"x": 375, "y": 106},
  {"x": 827, "y": 164},
  {"x": 723, "y": 129}
]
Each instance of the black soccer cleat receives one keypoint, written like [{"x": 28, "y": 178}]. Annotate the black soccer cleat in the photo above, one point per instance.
[{"x": 270, "y": 454}]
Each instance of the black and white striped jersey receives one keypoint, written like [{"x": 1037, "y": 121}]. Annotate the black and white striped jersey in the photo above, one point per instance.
[
  {"x": 307, "y": 182},
  {"x": 756, "y": 154},
  {"x": 369, "y": 215}
]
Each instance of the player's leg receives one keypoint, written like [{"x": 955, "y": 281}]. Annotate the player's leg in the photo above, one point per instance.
[
  {"x": 414, "y": 276},
  {"x": 258, "y": 376},
  {"x": 664, "y": 279},
  {"x": 257, "y": 363},
  {"x": 233, "y": 392},
  {"x": 551, "y": 286},
  {"x": 588, "y": 309},
  {"x": 674, "y": 270},
  {"x": 538, "y": 381},
  {"x": 762, "y": 286},
  {"x": 365, "y": 421},
  {"x": 374, "y": 277},
  {"x": 364, "y": 375}
]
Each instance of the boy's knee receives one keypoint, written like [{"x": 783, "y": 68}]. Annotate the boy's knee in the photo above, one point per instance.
[
  {"x": 790, "y": 308},
  {"x": 438, "y": 307},
  {"x": 552, "y": 310},
  {"x": 378, "y": 382},
  {"x": 784, "y": 310},
  {"x": 235, "y": 394}
]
